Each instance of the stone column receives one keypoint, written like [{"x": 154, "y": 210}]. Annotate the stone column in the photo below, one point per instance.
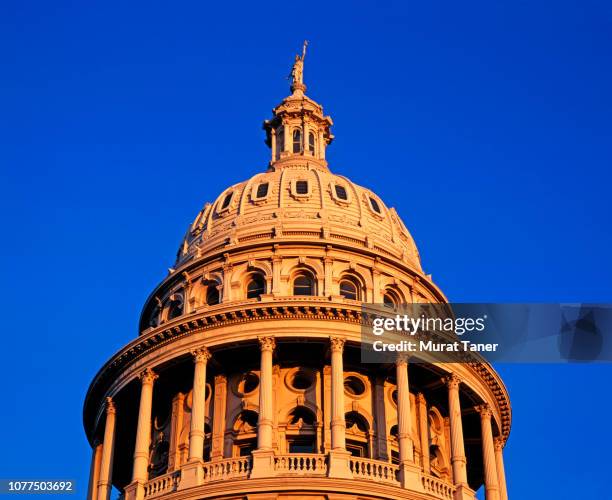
[
  {"x": 501, "y": 474},
  {"x": 143, "y": 437},
  {"x": 380, "y": 418},
  {"x": 458, "y": 460},
  {"x": 423, "y": 432},
  {"x": 404, "y": 420},
  {"x": 327, "y": 283},
  {"x": 94, "y": 472},
  {"x": 409, "y": 473},
  {"x": 105, "y": 481},
  {"x": 265, "y": 422},
  {"x": 263, "y": 457},
  {"x": 338, "y": 425},
  {"x": 488, "y": 453},
  {"x": 338, "y": 456},
  {"x": 196, "y": 431},
  {"x": 219, "y": 411},
  {"x": 176, "y": 426},
  {"x": 273, "y": 143},
  {"x": 192, "y": 473},
  {"x": 277, "y": 262}
]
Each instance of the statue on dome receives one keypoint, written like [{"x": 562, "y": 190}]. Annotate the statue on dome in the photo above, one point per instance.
[{"x": 297, "y": 72}]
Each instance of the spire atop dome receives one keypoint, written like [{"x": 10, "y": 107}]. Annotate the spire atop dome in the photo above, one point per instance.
[
  {"x": 297, "y": 72},
  {"x": 299, "y": 131}
]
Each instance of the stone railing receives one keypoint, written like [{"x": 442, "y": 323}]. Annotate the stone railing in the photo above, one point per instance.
[
  {"x": 296, "y": 464},
  {"x": 437, "y": 487},
  {"x": 231, "y": 468},
  {"x": 374, "y": 470},
  {"x": 162, "y": 484}
]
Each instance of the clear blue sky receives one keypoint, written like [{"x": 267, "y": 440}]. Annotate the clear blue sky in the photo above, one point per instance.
[{"x": 487, "y": 125}]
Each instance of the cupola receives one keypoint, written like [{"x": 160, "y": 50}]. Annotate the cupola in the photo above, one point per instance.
[{"x": 299, "y": 130}]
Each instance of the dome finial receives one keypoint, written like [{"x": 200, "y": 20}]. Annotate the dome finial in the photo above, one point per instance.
[{"x": 297, "y": 71}]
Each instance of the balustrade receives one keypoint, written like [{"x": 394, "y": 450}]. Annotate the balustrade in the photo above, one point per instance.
[{"x": 374, "y": 470}]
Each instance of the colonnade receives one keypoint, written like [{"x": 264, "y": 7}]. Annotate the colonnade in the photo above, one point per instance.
[{"x": 494, "y": 476}]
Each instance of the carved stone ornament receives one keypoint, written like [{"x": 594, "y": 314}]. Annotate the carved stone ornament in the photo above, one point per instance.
[
  {"x": 452, "y": 381},
  {"x": 148, "y": 376},
  {"x": 110, "y": 406},
  {"x": 484, "y": 410},
  {"x": 267, "y": 343},
  {"x": 336, "y": 343},
  {"x": 201, "y": 355}
]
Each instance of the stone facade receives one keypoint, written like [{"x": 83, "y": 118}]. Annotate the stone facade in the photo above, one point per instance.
[{"x": 246, "y": 381}]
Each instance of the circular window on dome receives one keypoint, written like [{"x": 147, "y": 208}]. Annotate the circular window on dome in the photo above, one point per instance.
[
  {"x": 247, "y": 383},
  {"x": 354, "y": 386},
  {"x": 300, "y": 379}
]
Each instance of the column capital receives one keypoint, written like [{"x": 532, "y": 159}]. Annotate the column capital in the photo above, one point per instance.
[
  {"x": 420, "y": 398},
  {"x": 267, "y": 343},
  {"x": 452, "y": 381},
  {"x": 201, "y": 355},
  {"x": 148, "y": 376},
  {"x": 498, "y": 443},
  {"x": 485, "y": 411},
  {"x": 110, "y": 406},
  {"x": 401, "y": 359},
  {"x": 337, "y": 344}
]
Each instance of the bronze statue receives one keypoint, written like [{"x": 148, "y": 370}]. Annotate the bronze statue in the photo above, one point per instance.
[{"x": 297, "y": 72}]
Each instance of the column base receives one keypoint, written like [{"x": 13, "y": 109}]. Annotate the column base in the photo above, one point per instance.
[
  {"x": 134, "y": 491},
  {"x": 410, "y": 476},
  {"x": 339, "y": 464},
  {"x": 463, "y": 492},
  {"x": 192, "y": 474},
  {"x": 263, "y": 463}
]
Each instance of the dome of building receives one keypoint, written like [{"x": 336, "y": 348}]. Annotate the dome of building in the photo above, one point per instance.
[
  {"x": 298, "y": 198},
  {"x": 246, "y": 379}
]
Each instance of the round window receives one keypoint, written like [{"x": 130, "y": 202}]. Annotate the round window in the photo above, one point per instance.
[
  {"x": 248, "y": 383},
  {"x": 354, "y": 386},
  {"x": 301, "y": 379}
]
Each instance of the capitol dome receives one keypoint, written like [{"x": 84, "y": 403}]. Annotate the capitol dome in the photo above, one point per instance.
[
  {"x": 246, "y": 378},
  {"x": 298, "y": 198}
]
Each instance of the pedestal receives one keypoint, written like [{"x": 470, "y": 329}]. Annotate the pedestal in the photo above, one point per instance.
[
  {"x": 192, "y": 475},
  {"x": 410, "y": 476},
  {"x": 263, "y": 463},
  {"x": 339, "y": 464},
  {"x": 463, "y": 492},
  {"x": 134, "y": 491}
]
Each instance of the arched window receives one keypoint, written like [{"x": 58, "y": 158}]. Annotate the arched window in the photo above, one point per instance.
[
  {"x": 301, "y": 421},
  {"x": 226, "y": 201},
  {"x": 175, "y": 308},
  {"x": 280, "y": 141},
  {"x": 350, "y": 289},
  {"x": 297, "y": 141},
  {"x": 262, "y": 190},
  {"x": 311, "y": 143},
  {"x": 357, "y": 435},
  {"x": 303, "y": 414},
  {"x": 212, "y": 295},
  {"x": 303, "y": 284},
  {"x": 245, "y": 429},
  {"x": 390, "y": 300},
  {"x": 256, "y": 286}
]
